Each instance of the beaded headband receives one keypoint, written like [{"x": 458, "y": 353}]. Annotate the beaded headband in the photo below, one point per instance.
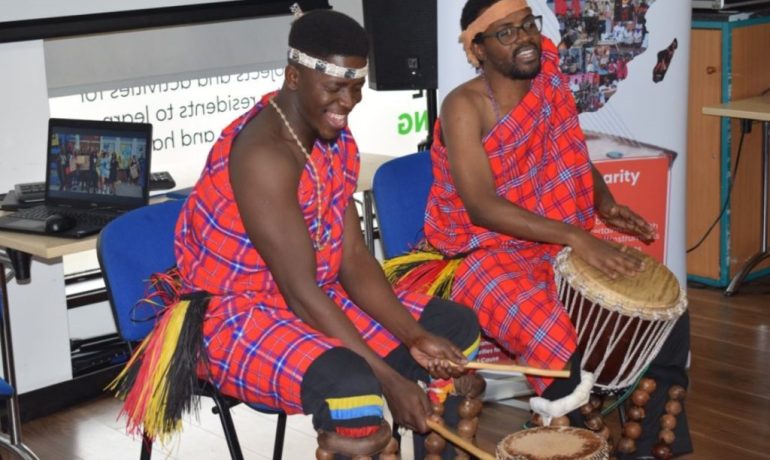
[
  {"x": 320, "y": 65},
  {"x": 494, "y": 13},
  {"x": 326, "y": 67}
]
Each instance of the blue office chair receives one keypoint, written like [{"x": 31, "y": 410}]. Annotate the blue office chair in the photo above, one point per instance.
[
  {"x": 11, "y": 442},
  {"x": 400, "y": 189},
  {"x": 130, "y": 249}
]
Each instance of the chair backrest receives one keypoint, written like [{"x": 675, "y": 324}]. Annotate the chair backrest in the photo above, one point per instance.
[
  {"x": 130, "y": 249},
  {"x": 400, "y": 189}
]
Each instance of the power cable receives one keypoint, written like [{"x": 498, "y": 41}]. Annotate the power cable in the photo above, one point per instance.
[{"x": 745, "y": 127}]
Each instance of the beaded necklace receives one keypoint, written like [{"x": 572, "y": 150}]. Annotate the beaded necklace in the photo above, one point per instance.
[
  {"x": 491, "y": 96},
  {"x": 312, "y": 166}
]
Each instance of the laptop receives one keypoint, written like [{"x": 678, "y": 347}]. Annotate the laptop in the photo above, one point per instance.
[{"x": 95, "y": 170}]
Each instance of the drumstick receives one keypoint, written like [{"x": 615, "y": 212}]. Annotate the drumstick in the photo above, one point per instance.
[
  {"x": 507, "y": 367},
  {"x": 447, "y": 434}
]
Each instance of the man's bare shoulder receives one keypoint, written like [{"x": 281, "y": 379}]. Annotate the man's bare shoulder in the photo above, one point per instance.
[
  {"x": 258, "y": 143},
  {"x": 262, "y": 161},
  {"x": 467, "y": 98}
]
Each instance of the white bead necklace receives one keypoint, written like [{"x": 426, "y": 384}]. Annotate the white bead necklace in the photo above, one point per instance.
[{"x": 312, "y": 166}]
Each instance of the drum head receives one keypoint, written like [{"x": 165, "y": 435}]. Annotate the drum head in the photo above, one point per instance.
[
  {"x": 652, "y": 294},
  {"x": 563, "y": 442}
]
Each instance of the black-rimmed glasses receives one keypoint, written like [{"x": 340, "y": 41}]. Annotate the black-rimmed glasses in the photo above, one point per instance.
[{"x": 510, "y": 33}]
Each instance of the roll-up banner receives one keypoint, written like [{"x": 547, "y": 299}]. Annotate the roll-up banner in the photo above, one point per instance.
[{"x": 627, "y": 64}]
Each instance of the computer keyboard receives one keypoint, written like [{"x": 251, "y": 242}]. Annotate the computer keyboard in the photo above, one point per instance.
[{"x": 82, "y": 216}]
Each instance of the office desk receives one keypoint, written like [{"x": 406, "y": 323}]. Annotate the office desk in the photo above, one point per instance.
[
  {"x": 755, "y": 108},
  {"x": 21, "y": 247}
]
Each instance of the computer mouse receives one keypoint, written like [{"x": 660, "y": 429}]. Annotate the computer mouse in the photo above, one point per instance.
[{"x": 57, "y": 223}]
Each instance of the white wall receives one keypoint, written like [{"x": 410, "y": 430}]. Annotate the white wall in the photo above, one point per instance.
[{"x": 23, "y": 113}]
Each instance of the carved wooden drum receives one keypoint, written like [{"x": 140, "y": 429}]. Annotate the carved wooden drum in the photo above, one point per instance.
[
  {"x": 622, "y": 323},
  {"x": 554, "y": 443}
]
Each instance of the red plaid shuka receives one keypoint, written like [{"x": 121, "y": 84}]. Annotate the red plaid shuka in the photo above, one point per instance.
[
  {"x": 539, "y": 160},
  {"x": 257, "y": 348}
]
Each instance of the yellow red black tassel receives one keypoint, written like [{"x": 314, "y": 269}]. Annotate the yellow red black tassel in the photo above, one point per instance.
[{"x": 159, "y": 383}]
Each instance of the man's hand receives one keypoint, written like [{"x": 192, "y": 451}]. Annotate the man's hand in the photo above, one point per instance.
[
  {"x": 407, "y": 402},
  {"x": 623, "y": 218},
  {"x": 437, "y": 355},
  {"x": 613, "y": 261}
]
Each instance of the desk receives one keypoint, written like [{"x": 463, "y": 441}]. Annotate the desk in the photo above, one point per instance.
[{"x": 755, "y": 108}]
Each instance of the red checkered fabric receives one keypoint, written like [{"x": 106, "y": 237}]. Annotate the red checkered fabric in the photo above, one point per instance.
[
  {"x": 560, "y": 7},
  {"x": 258, "y": 349},
  {"x": 539, "y": 160}
]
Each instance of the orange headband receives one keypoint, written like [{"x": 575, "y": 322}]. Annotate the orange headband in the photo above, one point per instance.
[{"x": 494, "y": 13}]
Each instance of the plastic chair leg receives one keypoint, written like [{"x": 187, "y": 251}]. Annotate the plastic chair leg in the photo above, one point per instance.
[
  {"x": 280, "y": 433},
  {"x": 227, "y": 426},
  {"x": 146, "y": 452}
]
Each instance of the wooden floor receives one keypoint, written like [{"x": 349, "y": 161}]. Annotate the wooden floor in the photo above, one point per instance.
[{"x": 728, "y": 401}]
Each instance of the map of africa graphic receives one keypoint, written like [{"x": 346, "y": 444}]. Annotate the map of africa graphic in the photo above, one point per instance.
[{"x": 599, "y": 39}]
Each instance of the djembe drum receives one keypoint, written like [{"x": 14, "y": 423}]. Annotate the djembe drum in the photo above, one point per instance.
[
  {"x": 563, "y": 443},
  {"x": 621, "y": 323}
]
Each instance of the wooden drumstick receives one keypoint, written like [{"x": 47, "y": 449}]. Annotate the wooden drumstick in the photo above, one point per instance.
[
  {"x": 450, "y": 436},
  {"x": 507, "y": 367}
]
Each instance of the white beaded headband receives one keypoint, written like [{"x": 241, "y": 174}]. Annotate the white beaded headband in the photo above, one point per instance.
[
  {"x": 326, "y": 67},
  {"x": 320, "y": 65}
]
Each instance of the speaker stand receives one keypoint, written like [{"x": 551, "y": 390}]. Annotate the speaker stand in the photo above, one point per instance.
[{"x": 432, "y": 115}]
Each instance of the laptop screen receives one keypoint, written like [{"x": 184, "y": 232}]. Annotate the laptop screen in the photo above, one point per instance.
[{"x": 98, "y": 164}]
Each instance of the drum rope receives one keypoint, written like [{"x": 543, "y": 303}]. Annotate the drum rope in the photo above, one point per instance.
[
  {"x": 612, "y": 342},
  {"x": 631, "y": 352},
  {"x": 657, "y": 342},
  {"x": 652, "y": 339},
  {"x": 625, "y": 394},
  {"x": 598, "y": 335}
]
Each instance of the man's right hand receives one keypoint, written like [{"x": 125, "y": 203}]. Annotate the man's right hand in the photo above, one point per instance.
[
  {"x": 407, "y": 402},
  {"x": 613, "y": 261}
]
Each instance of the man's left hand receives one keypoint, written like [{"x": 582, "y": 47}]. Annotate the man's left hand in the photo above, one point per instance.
[
  {"x": 626, "y": 220},
  {"x": 437, "y": 356}
]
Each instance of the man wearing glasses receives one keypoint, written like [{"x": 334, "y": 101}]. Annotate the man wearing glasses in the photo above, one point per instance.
[{"x": 513, "y": 184}]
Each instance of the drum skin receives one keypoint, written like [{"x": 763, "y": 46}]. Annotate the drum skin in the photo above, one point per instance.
[{"x": 553, "y": 443}]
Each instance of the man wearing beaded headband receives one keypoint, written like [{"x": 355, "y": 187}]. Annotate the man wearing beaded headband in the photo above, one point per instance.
[
  {"x": 514, "y": 183},
  {"x": 300, "y": 315}
]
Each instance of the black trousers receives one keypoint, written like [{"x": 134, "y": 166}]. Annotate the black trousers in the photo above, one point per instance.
[
  {"x": 667, "y": 369},
  {"x": 340, "y": 373}
]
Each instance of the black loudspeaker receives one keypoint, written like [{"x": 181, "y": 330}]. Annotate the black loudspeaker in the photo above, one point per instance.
[{"x": 403, "y": 52}]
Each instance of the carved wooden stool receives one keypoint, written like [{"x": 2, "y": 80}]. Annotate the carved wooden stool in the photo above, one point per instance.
[
  {"x": 471, "y": 386},
  {"x": 380, "y": 442}
]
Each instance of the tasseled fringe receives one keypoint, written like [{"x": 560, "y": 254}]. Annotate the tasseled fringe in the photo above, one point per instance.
[
  {"x": 422, "y": 271},
  {"x": 442, "y": 286},
  {"x": 159, "y": 381},
  {"x": 440, "y": 389}
]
